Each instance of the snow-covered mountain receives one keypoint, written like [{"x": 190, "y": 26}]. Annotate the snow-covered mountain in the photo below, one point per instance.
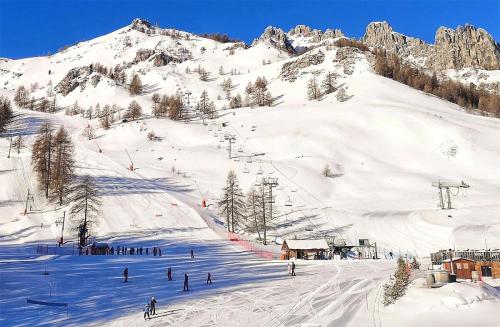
[{"x": 385, "y": 143}]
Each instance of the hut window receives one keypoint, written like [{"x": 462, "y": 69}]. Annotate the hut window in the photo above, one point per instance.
[
  {"x": 466, "y": 266},
  {"x": 459, "y": 266}
]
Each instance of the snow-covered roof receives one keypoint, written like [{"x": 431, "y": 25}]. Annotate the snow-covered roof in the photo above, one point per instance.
[{"x": 307, "y": 244}]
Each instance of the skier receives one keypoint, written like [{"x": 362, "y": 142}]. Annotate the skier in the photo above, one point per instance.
[
  {"x": 140, "y": 251},
  {"x": 154, "y": 251},
  {"x": 112, "y": 251},
  {"x": 390, "y": 255},
  {"x": 125, "y": 275},
  {"x": 192, "y": 254},
  {"x": 153, "y": 306},
  {"x": 147, "y": 251},
  {"x": 186, "y": 286},
  {"x": 146, "y": 311},
  {"x": 293, "y": 268},
  {"x": 159, "y": 252},
  {"x": 209, "y": 278},
  {"x": 118, "y": 250},
  {"x": 169, "y": 273}
]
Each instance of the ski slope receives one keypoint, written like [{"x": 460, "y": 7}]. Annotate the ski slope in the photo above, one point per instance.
[{"x": 385, "y": 145}]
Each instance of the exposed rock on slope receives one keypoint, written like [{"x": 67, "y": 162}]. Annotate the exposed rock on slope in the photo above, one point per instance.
[
  {"x": 276, "y": 38},
  {"x": 464, "y": 47},
  {"x": 290, "y": 69},
  {"x": 467, "y": 46},
  {"x": 381, "y": 35}
]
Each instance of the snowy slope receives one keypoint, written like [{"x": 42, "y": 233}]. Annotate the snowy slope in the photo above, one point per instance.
[{"x": 386, "y": 145}]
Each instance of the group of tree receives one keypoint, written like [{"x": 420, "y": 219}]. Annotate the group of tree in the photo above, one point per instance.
[
  {"x": 258, "y": 94},
  {"x": 54, "y": 164},
  {"x": 343, "y": 42},
  {"x": 250, "y": 212},
  {"x": 6, "y": 114},
  {"x": 53, "y": 161},
  {"x": 47, "y": 103},
  {"x": 328, "y": 85},
  {"x": 469, "y": 97},
  {"x": 227, "y": 87},
  {"x": 167, "y": 106}
]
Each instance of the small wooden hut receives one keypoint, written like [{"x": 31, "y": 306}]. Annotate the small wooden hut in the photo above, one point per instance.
[{"x": 304, "y": 249}]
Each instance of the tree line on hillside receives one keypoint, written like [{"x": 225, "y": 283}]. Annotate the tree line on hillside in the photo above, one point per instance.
[
  {"x": 53, "y": 161},
  {"x": 223, "y": 38},
  {"x": 250, "y": 212},
  {"x": 469, "y": 97}
]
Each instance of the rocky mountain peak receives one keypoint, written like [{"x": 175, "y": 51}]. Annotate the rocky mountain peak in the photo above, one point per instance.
[
  {"x": 140, "y": 24},
  {"x": 381, "y": 35},
  {"x": 275, "y": 37},
  {"x": 467, "y": 46}
]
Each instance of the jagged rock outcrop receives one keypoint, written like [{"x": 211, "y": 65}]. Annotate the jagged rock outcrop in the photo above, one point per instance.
[
  {"x": 276, "y": 38},
  {"x": 347, "y": 58},
  {"x": 464, "y": 47},
  {"x": 140, "y": 25},
  {"x": 75, "y": 77},
  {"x": 290, "y": 70},
  {"x": 142, "y": 55},
  {"x": 315, "y": 34},
  {"x": 381, "y": 35},
  {"x": 158, "y": 57},
  {"x": 467, "y": 46}
]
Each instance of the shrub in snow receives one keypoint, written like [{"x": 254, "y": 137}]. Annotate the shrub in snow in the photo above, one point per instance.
[
  {"x": 327, "y": 171},
  {"x": 415, "y": 265},
  {"x": 397, "y": 285}
]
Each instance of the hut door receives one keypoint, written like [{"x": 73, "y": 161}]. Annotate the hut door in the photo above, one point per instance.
[{"x": 486, "y": 271}]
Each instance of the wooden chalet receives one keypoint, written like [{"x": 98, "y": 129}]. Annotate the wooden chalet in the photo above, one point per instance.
[
  {"x": 485, "y": 262},
  {"x": 304, "y": 249}
]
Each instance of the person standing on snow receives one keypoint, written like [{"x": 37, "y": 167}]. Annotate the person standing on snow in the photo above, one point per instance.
[
  {"x": 293, "y": 268},
  {"x": 186, "y": 286},
  {"x": 192, "y": 254},
  {"x": 209, "y": 279},
  {"x": 289, "y": 268},
  {"x": 154, "y": 251},
  {"x": 146, "y": 311},
  {"x": 125, "y": 275},
  {"x": 159, "y": 252},
  {"x": 153, "y": 306},
  {"x": 169, "y": 274}
]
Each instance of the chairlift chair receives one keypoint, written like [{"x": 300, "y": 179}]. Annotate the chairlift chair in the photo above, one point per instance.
[
  {"x": 260, "y": 171},
  {"x": 258, "y": 182},
  {"x": 249, "y": 160},
  {"x": 240, "y": 149},
  {"x": 236, "y": 159},
  {"x": 246, "y": 170},
  {"x": 288, "y": 203}
]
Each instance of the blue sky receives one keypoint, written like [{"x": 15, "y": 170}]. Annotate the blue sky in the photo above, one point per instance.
[{"x": 36, "y": 27}]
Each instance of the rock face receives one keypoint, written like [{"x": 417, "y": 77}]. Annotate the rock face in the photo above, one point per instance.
[
  {"x": 159, "y": 58},
  {"x": 74, "y": 78},
  {"x": 290, "y": 70},
  {"x": 142, "y": 55},
  {"x": 467, "y": 46},
  {"x": 276, "y": 38},
  {"x": 140, "y": 25},
  {"x": 464, "y": 47},
  {"x": 315, "y": 34},
  {"x": 381, "y": 35}
]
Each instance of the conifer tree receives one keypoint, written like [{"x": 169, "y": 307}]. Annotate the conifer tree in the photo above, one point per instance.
[
  {"x": 84, "y": 197},
  {"x": 63, "y": 165},
  {"x": 135, "y": 86},
  {"x": 41, "y": 157},
  {"x": 6, "y": 114},
  {"x": 313, "y": 91},
  {"x": 18, "y": 143},
  {"x": 254, "y": 211},
  {"x": 232, "y": 203},
  {"x": 397, "y": 285},
  {"x": 329, "y": 83},
  {"x": 134, "y": 110}
]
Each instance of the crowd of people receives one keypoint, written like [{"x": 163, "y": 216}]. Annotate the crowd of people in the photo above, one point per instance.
[{"x": 104, "y": 249}]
